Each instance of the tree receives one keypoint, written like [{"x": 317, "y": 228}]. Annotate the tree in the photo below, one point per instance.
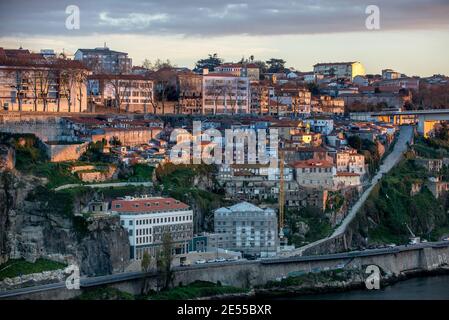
[
  {"x": 146, "y": 267},
  {"x": 210, "y": 63},
  {"x": 355, "y": 142},
  {"x": 275, "y": 65},
  {"x": 67, "y": 81},
  {"x": 313, "y": 88},
  {"x": 157, "y": 65},
  {"x": 214, "y": 90},
  {"x": 115, "y": 141},
  {"x": 164, "y": 261},
  {"x": 80, "y": 80},
  {"x": 21, "y": 77}
]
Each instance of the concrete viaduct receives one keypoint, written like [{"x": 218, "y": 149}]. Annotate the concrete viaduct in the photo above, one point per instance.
[{"x": 425, "y": 119}]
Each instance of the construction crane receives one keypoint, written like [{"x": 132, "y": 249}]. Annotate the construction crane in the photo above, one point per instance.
[{"x": 281, "y": 197}]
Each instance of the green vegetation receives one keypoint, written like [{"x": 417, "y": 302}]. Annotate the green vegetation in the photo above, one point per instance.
[
  {"x": 175, "y": 176},
  {"x": 178, "y": 181},
  {"x": 392, "y": 207},
  {"x": 15, "y": 268},
  {"x": 94, "y": 153},
  {"x": 104, "y": 293},
  {"x": 317, "y": 223},
  {"x": 431, "y": 148},
  {"x": 194, "y": 290},
  {"x": 60, "y": 203},
  {"x": 368, "y": 149},
  {"x": 141, "y": 172}
]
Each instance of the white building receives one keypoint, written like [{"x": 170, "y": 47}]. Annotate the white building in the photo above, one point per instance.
[
  {"x": 347, "y": 70},
  {"x": 29, "y": 82},
  {"x": 348, "y": 160},
  {"x": 147, "y": 219},
  {"x": 225, "y": 94},
  {"x": 321, "y": 125},
  {"x": 130, "y": 92},
  {"x": 247, "y": 228}
]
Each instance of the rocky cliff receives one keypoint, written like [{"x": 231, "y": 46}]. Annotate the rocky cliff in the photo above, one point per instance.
[{"x": 37, "y": 222}]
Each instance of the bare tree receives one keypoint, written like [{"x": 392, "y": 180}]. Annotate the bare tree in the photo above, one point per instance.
[
  {"x": 215, "y": 91},
  {"x": 80, "y": 80},
  {"x": 67, "y": 83},
  {"x": 19, "y": 77}
]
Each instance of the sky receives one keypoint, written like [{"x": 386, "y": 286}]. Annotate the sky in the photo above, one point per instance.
[{"x": 413, "y": 37}]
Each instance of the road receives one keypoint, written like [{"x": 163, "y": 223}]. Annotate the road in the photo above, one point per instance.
[
  {"x": 120, "y": 277},
  {"x": 405, "y": 136},
  {"x": 104, "y": 185}
]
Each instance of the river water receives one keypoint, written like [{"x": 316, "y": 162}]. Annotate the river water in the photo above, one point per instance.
[{"x": 423, "y": 288}]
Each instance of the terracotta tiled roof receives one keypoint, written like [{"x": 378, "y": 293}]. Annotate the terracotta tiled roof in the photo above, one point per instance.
[{"x": 144, "y": 205}]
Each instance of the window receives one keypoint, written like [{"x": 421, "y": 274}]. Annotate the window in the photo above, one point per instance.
[
  {"x": 130, "y": 222},
  {"x": 117, "y": 206}
]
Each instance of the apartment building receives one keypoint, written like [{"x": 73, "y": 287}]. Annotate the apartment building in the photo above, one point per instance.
[
  {"x": 348, "y": 160},
  {"x": 30, "y": 82},
  {"x": 298, "y": 99},
  {"x": 251, "y": 181},
  {"x": 247, "y": 228},
  {"x": 126, "y": 92},
  {"x": 323, "y": 175},
  {"x": 148, "y": 219},
  {"x": 321, "y": 125},
  {"x": 225, "y": 93},
  {"x": 249, "y": 70},
  {"x": 260, "y": 99},
  {"x": 103, "y": 60},
  {"x": 346, "y": 70},
  {"x": 190, "y": 91},
  {"x": 315, "y": 174}
]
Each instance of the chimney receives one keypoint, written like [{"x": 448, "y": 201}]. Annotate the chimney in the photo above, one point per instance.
[{"x": 205, "y": 71}]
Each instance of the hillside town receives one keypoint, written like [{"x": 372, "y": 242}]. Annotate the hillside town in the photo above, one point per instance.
[{"x": 91, "y": 136}]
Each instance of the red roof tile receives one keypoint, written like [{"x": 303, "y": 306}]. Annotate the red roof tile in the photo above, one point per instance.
[{"x": 148, "y": 205}]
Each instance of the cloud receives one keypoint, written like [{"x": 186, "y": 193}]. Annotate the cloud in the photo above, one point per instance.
[
  {"x": 211, "y": 18},
  {"x": 133, "y": 21}
]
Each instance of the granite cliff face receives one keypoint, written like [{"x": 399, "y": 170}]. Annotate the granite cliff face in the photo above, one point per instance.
[{"x": 32, "y": 227}]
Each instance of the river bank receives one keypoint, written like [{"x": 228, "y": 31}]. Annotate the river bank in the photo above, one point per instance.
[{"x": 317, "y": 286}]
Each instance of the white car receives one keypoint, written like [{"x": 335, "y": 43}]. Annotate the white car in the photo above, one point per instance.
[
  {"x": 220, "y": 259},
  {"x": 234, "y": 258},
  {"x": 201, "y": 261},
  {"x": 211, "y": 261}
]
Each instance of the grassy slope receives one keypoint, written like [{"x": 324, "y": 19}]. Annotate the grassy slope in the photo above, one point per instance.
[
  {"x": 390, "y": 206},
  {"x": 15, "y": 268},
  {"x": 194, "y": 290}
]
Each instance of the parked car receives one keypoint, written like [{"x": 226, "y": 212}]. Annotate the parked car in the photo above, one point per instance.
[
  {"x": 211, "y": 261},
  {"x": 220, "y": 259},
  {"x": 233, "y": 258},
  {"x": 201, "y": 261}
]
